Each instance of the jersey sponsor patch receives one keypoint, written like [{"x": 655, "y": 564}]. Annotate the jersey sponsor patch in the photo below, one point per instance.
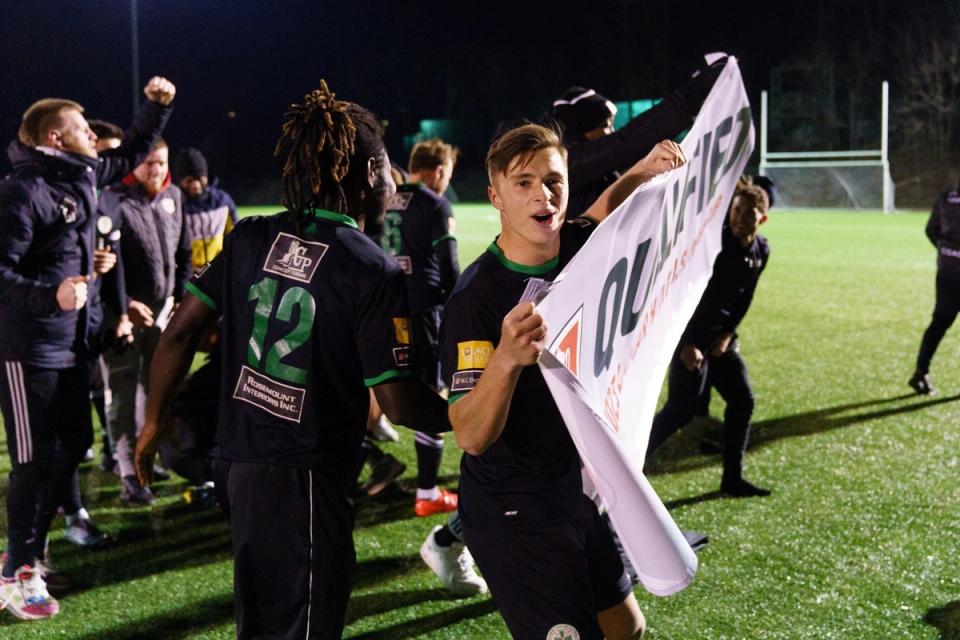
[
  {"x": 401, "y": 355},
  {"x": 401, "y": 330},
  {"x": 465, "y": 380},
  {"x": 474, "y": 354},
  {"x": 273, "y": 397},
  {"x": 563, "y": 632},
  {"x": 294, "y": 258},
  {"x": 400, "y": 201}
]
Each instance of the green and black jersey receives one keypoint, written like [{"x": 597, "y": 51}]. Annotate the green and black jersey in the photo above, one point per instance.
[
  {"x": 418, "y": 231},
  {"x": 529, "y": 477},
  {"x": 309, "y": 321}
]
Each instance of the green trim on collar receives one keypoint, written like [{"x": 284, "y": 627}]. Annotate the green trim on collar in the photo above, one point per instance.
[
  {"x": 323, "y": 214},
  {"x": 536, "y": 270},
  {"x": 449, "y": 236}
]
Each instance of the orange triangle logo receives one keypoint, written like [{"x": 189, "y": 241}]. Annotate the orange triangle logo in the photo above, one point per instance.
[{"x": 567, "y": 344}]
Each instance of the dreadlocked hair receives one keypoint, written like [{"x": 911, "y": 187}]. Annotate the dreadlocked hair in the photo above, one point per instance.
[{"x": 321, "y": 141}]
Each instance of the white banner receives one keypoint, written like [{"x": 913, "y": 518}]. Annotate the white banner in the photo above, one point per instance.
[{"x": 617, "y": 312}]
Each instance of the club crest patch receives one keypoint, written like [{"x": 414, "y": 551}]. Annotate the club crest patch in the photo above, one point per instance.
[
  {"x": 68, "y": 209},
  {"x": 168, "y": 205},
  {"x": 400, "y": 201},
  {"x": 294, "y": 258},
  {"x": 563, "y": 632}
]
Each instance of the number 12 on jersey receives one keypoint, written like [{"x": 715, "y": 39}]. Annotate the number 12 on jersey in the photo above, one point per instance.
[{"x": 264, "y": 293}]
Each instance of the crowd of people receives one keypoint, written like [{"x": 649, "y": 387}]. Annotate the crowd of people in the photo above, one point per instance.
[{"x": 326, "y": 324}]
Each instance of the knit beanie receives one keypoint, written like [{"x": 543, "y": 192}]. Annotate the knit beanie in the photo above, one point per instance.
[
  {"x": 190, "y": 163},
  {"x": 581, "y": 110}
]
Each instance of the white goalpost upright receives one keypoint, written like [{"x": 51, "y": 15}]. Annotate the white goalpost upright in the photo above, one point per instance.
[{"x": 834, "y": 166}]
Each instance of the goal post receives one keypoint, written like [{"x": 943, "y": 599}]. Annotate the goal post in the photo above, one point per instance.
[{"x": 856, "y": 179}]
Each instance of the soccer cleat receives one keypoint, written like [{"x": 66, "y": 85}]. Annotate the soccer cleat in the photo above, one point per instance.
[
  {"x": 83, "y": 533},
  {"x": 25, "y": 595},
  {"x": 202, "y": 495},
  {"x": 453, "y": 565},
  {"x": 920, "y": 382},
  {"x": 384, "y": 431},
  {"x": 133, "y": 493},
  {"x": 383, "y": 474},
  {"x": 446, "y": 503},
  {"x": 740, "y": 488}
]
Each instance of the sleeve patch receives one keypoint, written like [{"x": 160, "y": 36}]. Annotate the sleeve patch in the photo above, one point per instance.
[
  {"x": 464, "y": 381},
  {"x": 401, "y": 330},
  {"x": 473, "y": 354},
  {"x": 401, "y": 355}
]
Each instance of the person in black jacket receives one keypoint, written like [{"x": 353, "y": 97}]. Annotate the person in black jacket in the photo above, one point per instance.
[
  {"x": 943, "y": 229},
  {"x": 709, "y": 345},
  {"x": 597, "y": 153},
  {"x": 47, "y": 222},
  {"x": 157, "y": 264}
]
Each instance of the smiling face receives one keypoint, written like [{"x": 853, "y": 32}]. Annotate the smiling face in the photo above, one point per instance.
[
  {"x": 532, "y": 199},
  {"x": 747, "y": 213},
  {"x": 152, "y": 172}
]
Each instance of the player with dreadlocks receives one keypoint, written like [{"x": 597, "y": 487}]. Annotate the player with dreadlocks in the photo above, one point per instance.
[{"x": 312, "y": 313}]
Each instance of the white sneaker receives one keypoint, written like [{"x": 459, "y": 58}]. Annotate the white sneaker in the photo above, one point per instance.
[
  {"x": 25, "y": 595},
  {"x": 384, "y": 431},
  {"x": 453, "y": 565}
]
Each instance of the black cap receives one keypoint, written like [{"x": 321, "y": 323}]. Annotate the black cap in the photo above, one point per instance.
[
  {"x": 190, "y": 162},
  {"x": 581, "y": 110}
]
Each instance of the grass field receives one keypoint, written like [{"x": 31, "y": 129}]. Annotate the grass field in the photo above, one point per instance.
[{"x": 860, "y": 539}]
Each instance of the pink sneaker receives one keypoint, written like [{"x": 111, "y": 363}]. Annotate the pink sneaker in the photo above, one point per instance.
[{"x": 25, "y": 595}]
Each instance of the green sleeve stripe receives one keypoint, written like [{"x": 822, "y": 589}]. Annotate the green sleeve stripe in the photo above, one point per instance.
[
  {"x": 456, "y": 396},
  {"x": 204, "y": 298},
  {"x": 387, "y": 375},
  {"x": 449, "y": 236}
]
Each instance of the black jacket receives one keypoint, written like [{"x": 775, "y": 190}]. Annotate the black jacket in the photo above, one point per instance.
[
  {"x": 596, "y": 164},
  {"x": 729, "y": 293},
  {"x": 943, "y": 229},
  {"x": 48, "y": 216}
]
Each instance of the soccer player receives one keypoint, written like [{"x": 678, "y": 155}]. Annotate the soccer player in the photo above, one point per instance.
[
  {"x": 709, "y": 348},
  {"x": 48, "y": 217},
  {"x": 548, "y": 557},
  {"x": 418, "y": 230},
  {"x": 313, "y": 313},
  {"x": 943, "y": 230}
]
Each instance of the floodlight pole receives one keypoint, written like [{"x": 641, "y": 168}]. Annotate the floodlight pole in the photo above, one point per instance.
[
  {"x": 135, "y": 55},
  {"x": 763, "y": 133}
]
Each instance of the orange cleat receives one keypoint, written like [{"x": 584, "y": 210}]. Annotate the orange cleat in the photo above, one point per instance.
[{"x": 446, "y": 503}]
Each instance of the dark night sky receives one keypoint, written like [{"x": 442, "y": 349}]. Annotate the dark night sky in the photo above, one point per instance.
[{"x": 405, "y": 60}]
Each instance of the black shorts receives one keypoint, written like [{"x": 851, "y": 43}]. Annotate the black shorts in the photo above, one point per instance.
[
  {"x": 293, "y": 556},
  {"x": 560, "y": 575},
  {"x": 426, "y": 345}
]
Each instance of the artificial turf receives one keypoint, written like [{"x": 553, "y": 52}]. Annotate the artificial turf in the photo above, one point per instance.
[{"x": 859, "y": 539}]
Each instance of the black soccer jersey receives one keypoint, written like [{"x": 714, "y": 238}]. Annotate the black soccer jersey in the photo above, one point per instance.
[
  {"x": 417, "y": 221},
  {"x": 309, "y": 321},
  {"x": 531, "y": 475},
  {"x": 729, "y": 293}
]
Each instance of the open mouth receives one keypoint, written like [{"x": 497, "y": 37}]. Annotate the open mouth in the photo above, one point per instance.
[{"x": 544, "y": 217}]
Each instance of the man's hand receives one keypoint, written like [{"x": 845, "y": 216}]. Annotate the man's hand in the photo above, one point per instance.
[
  {"x": 160, "y": 90},
  {"x": 691, "y": 357},
  {"x": 721, "y": 345},
  {"x": 104, "y": 260},
  {"x": 123, "y": 332},
  {"x": 72, "y": 293},
  {"x": 522, "y": 335},
  {"x": 665, "y": 156},
  {"x": 140, "y": 314}
]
